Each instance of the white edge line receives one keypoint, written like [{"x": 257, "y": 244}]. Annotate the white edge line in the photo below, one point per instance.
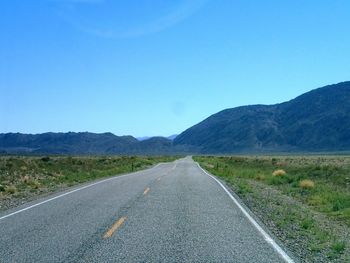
[
  {"x": 266, "y": 236},
  {"x": 174, "y": 166},
  {"x": 73, "y": 191}
]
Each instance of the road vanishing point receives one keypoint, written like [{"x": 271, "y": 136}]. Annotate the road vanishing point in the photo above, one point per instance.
[{"x": 173, "y": 212}]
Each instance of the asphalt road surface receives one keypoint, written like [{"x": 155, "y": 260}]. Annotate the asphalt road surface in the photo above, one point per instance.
[{"x": 174, "y": 212}]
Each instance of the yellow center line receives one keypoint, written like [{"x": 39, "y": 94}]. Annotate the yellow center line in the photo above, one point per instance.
[
  {"x": 114, "y": 227},
  {"x": 146, "y": 191},
  {"x": 159, "y": 178}
]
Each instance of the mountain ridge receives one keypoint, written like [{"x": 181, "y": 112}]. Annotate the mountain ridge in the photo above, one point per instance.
[
  {"x": 316, "y": 121},
  {"x": 287, "y": 126},
  {"x": 79, "y": 143}
]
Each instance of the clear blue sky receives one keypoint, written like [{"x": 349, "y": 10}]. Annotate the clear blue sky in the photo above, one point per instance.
[{"x": 157, "y": 67}]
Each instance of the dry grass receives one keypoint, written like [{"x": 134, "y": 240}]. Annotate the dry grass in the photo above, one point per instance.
[
  {"x": 25, "y": 179},
  {"x": 11, "y": 189},
  {"x": 260, "y": 177},
  {"x": 307, "y": 184},
  {"x": 279, "y": 172}
]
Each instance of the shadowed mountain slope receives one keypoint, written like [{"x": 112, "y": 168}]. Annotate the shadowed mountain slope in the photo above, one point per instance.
[{"x": 315, "y": 121}]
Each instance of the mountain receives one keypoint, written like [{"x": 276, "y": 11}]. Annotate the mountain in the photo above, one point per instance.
[
  {"x": 80, "y": 143},
  {"x": 65, "y": 143},
  {"x": 143, "y": 138},
  {"x": 315, "y": 121},
  {"x": 172, "y": 137},
  {"x": 155, "y": 145}
]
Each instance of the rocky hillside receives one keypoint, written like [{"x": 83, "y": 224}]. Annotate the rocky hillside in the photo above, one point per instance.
[{"x": 315, "y": 121}]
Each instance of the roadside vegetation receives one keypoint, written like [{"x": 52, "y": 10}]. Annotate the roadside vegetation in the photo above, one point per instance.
[
  {"x": 304, "y": 201},
  {"x": 24, "y": 178}
]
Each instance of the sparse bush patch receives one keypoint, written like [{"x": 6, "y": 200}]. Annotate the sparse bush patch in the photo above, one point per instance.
[
  {"x": 316, "y": 200},
  {"x": 340, "y": 203},
  {"x": 307, "y": 223},
  {"x": 338, "y": 246}
]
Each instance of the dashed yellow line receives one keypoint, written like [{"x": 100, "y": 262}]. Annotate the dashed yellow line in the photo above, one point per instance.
[
  {"x": 114, "y": 227},
  {"x": 146, "y": 191}
]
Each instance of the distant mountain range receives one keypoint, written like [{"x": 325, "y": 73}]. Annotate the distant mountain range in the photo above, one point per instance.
[
  {"x": 82, "y": 143},
  {"x": 313, "y": 122}
]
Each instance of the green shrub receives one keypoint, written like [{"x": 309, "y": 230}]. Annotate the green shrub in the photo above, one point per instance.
[
  {"x": 338, "y": 246},
  {"x": 45, "y": 159}
]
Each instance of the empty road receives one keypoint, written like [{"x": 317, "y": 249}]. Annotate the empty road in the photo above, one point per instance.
[{"x": 174, "y": 212}]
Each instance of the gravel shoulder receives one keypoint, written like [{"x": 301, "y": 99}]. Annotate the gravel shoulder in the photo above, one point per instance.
[{"x": 308, "y": 234}]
